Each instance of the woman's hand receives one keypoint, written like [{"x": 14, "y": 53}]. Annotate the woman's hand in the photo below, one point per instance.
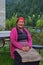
[{"x": 25, "y": 48}]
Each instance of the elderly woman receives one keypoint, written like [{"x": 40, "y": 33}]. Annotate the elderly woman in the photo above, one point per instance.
[{"x": 20, "y": 39}]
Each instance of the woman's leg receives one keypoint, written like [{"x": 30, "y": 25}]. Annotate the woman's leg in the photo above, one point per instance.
[
  {"x": 18, "y": 59},
  {"x": 31, "y": 63}
]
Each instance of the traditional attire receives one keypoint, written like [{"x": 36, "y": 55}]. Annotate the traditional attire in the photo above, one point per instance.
[
  {"x": 18, "y": 40},
  {"x": 15, "y": 40}
]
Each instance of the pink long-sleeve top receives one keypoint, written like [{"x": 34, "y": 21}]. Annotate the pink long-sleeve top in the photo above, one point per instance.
[{"x": 15, "y": 44}]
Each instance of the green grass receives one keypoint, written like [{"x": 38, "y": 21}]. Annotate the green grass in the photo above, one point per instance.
[
  {"x": 5, "y": 57},
  {"x": 41, "y": 52}
]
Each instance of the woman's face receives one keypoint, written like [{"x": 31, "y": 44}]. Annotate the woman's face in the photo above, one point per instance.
[{"x": 20, "y": 23}]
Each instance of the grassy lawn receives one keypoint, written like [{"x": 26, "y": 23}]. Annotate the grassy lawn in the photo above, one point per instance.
[{"x": 5, "y": 57}]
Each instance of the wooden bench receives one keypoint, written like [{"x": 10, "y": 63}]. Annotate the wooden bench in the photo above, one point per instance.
[
  {"x": 38, "y": 47},
  {"x": 6, "y": 34}
]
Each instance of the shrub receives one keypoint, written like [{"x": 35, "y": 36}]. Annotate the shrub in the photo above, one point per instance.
[
  {"x": 37, "y": 37},
  {"x": 39, "y": 23},
  {"x": 10, "y": 23}
]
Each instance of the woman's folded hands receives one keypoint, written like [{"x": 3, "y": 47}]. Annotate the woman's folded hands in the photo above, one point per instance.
[{"x": 26, "y": 48}]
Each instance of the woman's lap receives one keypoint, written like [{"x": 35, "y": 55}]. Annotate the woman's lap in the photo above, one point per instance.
[{"x": 18, "y": 60}]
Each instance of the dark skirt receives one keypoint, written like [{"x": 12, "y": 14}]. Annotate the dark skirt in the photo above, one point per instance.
[{"x": 18, "y": 60}]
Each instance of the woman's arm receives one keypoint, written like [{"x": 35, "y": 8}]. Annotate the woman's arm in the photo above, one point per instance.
[{"x": 13, "y": 39}]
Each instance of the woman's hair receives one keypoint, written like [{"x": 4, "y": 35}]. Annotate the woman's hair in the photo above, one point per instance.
[{"x": 20, "y": 18}]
